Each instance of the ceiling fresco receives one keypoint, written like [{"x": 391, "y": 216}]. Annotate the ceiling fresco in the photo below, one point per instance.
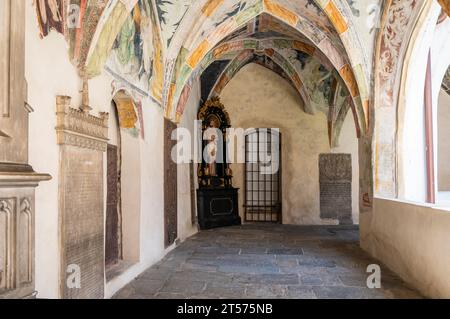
[
  {"x": 170, "y": 14},
  {"x": 158, "y": 47},
  {"x": 446, "y": 82},
  {"x": 136, "y": 54},
  {"x": 319, "y": 32}
]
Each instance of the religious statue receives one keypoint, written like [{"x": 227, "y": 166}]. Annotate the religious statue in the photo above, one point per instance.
[
  {"x": 212, "y": 147},
  {"x": 214, "y": 170},
  {"x": 217, "y": 199}
]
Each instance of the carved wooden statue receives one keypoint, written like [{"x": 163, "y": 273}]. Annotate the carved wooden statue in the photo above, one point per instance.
[{"x": 217, "y": 199}]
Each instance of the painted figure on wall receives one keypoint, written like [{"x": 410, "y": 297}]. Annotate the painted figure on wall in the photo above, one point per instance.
[
  {"x": 134, "y": 44},
  {"x": 50, "y": 15}
]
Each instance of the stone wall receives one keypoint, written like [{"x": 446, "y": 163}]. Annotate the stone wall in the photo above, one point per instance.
[{"x": 336, "y": 187}]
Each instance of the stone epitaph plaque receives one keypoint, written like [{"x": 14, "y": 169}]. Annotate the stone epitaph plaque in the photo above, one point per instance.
[
  {"x": 83, "y": 140},
  {"x": 170, "y": 186},
  {"x": 336, "y": 187}
]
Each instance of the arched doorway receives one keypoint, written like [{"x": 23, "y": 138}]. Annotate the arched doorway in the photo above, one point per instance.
[{"x": 123, "y": 190}]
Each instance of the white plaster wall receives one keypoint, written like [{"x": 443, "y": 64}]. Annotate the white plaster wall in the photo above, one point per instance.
[
  {"x": 259, "y": 98},
  {"x": 185, "y": 223},
  {"x": 440, "y": 62},
  {"x": 412, "y": 240},
  {"x": 131, "y": 192},
  {"x": 113, "y": 124},
  {"x": 412, "y": 177},
  {"x": 443, "y": 147},
  {"x": 49, "y": 73}
]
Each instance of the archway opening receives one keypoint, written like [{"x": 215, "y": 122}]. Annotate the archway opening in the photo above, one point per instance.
[
  {"x": 443, "y": 150},
  {"x": 321, "y": 114},
  {"x": 123, "y": 173},
  {"x": 316, "y": 184}
]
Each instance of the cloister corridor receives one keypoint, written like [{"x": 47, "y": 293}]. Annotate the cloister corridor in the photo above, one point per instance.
[
  {"x": 267, "y": 261},
  {"x": 225, "y": 149}
]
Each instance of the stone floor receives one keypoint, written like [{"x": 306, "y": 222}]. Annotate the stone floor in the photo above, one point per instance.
[{"x": 267, "y": 261}]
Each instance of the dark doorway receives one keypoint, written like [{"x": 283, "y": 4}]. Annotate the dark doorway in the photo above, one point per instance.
[
  {"x": 170, "y": 186},
  {"x": 113, "y": 231},
  {"x": 262, "y": 189}
]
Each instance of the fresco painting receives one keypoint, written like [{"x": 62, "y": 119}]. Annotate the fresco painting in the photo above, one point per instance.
[
  {"x": 445, "y": 6},
  {"x": 170, "y": 14},
  {"x": 303, "y": 41},
  {"x": 336, "y": 17},
  {"x": 51, "y": 16},
  {"x": 137, "y": 51},
  {"x": 249, "y": 12},
  {"x": 312, "y": 13},
  {"x": 281, "y": 12},
  {"x": 446, "y": 82},
  {"x": 111, "y": 23}
]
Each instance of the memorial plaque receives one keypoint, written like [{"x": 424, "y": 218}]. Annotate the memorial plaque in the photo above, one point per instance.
[
  {"x": 336, "y": 187},
  {"x": 170, "y": 186},
  {"x": 112, "y": 249},
  {"x": 82, "y": 139},
  {"x": 82, "y": 220}
]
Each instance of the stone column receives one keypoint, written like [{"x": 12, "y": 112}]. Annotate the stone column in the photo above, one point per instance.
[{"x": 17, "y": 179}]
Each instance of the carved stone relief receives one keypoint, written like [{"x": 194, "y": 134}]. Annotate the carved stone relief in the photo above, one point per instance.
[
  {"x": 336, "y": 187},
  {"x": 83, "y": 139},
  {"x": 7, "y": 213}
]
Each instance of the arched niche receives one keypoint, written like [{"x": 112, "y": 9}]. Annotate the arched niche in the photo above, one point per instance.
[{"x": 123, "y": 159}]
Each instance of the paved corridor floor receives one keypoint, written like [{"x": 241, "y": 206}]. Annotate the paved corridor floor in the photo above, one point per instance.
[{"x": 267, "y": 261}]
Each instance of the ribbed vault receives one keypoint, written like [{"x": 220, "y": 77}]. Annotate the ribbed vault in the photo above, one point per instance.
[{"x": 174, "y": 41}]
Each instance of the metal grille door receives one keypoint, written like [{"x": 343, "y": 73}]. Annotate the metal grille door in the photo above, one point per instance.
[{"x": 262, "y": 186}]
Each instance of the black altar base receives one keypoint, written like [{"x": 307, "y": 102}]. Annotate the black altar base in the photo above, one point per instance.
[{"x": 218, "y": 207}]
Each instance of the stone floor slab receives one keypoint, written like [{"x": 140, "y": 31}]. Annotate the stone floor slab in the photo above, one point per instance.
[{"x": 267, "y": 261}]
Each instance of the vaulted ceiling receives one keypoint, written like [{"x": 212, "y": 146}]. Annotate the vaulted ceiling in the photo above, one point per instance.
[{"x": 322, "y": 47}]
